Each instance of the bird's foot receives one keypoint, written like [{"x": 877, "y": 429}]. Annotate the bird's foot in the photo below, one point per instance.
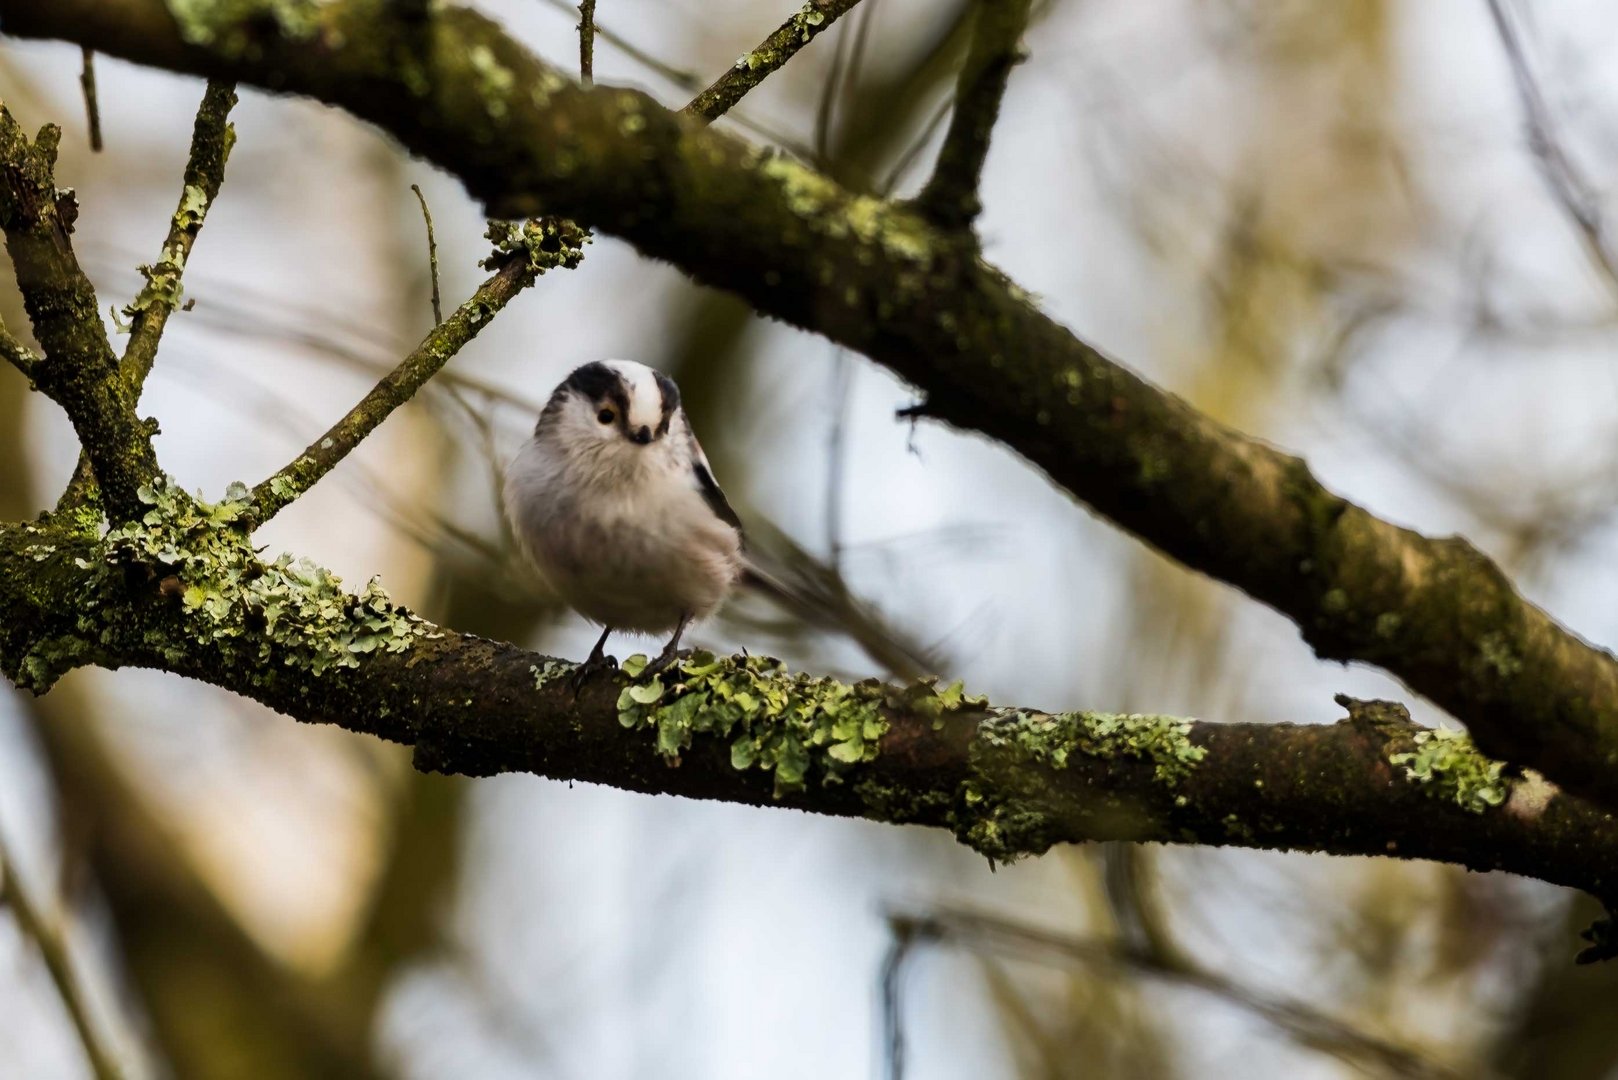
[
  {"x": 665, "y": 660},
  {"x": 596, "y": 662}
]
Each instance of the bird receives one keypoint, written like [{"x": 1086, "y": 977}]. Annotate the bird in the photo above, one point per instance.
[{"x": 615, "y": 503}]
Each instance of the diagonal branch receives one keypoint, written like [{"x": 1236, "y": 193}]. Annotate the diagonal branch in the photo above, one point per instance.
[
  {"x": 211, "y": 139},
  {"x": 1568, "y": 185},
  {"x": 950, "y": 196},
  {"x": 806, "y": 24},
  {"x": 876, "y": 278},
  {"x": 79, "y": 371}
]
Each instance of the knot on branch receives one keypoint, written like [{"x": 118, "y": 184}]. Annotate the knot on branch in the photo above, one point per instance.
[{"x": 1445, "y": 764}]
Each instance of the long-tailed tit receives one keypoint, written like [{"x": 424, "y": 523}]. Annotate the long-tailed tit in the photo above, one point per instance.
[{"x": 615, "y": 502}]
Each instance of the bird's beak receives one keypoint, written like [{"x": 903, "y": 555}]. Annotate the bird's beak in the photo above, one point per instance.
[{"x": 643, "y": 436}]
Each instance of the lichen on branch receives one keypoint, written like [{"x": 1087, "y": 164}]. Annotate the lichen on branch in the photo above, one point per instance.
[{"x": 197, "y": 559}]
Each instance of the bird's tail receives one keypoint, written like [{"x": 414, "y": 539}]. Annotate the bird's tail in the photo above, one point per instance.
[{"x": 816, "y": 594}]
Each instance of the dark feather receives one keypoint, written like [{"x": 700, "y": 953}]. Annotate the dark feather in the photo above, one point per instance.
[{"x": 715, "y": 498}]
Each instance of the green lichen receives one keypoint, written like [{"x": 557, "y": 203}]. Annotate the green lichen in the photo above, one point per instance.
[
  {"x": 291, "y": 610},
  {"x": 793, "y": 726},
  {"x": 546, "y": 243},
  {"x": 163, "y": 286},
  {"x": 193, "y": 205},
  {"x": 828, "y": 209},
  {"x": 198, "y": 556},
  {"x": 1498, "y": 655},
  {"x": 1449, "y": 767},
  {"x": 550, "y": 671},
  {"x": 494, "y": 79},
  {"x": 229, "y": 25},
  {"x": 1005, "y": 807}
]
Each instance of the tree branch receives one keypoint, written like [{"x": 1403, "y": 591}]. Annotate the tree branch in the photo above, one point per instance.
[
  {"x": 79, "y": 371},
  {"x": 211, "y": 139},
  {"x": 587, "y": 41},
  {"x": 538, "y": 247},
  {"x": 950, "y": 196},
  {"x": 806, "y": 24},
  {"x": 186, "y": 593},
  {"x": 92, "y": 105},
  {"x": 1567, "y": 184},
  {"x": 16, "y": 353},
  {"x": 873, "y": 277},
  {"x": 432, "y": 254}
]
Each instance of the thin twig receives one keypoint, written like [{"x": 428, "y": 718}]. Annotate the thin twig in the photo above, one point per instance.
[
  {"x": 92, "y": 107},
  {"x": 806, "y": 24},
  {"x": 16, "y": 353},
  {"x": 990, "y": 934},
  {"x": 432, "y": 253},
  {"x": 47, "y": 938},
  {"x": 587, "y": 41},
  {"x": 950, "y": 196},
  {"x": 211, "y": 138},
  {"x": 685, "y": 80},
  {"x": 517, "y": 270},
  {"x": 1568, "y": 185}
]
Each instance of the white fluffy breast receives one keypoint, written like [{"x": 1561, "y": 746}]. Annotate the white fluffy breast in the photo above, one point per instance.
[{"x": 623, "y": 534}]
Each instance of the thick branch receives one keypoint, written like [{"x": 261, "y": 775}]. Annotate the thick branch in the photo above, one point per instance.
[
  {"x": 878, "y": 279},
  {"x": 806, "y": 24},
  {"x": 211, "y": 139},
  {"x": 188, "y": 595},
  {"x": 950, "y": 196},
  {"x": 79, "y": 372}
]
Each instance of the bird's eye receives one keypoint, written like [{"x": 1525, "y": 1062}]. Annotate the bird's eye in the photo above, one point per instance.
[{"x": 606, "y": 416}]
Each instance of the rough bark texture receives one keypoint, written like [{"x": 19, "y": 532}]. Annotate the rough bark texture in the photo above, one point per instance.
[
  {"x": 881, "y": 279},
  {"x": 79, "y": 370},
  {"x": 1009, "y": 782}
]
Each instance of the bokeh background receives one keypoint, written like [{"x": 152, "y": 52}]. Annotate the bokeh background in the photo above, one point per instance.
[{"x": 1374, "y": 231}]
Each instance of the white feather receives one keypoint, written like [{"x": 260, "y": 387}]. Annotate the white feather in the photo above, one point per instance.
[{"x": 621, "y": 531}]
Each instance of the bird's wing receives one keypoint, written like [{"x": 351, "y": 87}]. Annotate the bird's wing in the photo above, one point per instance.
[{"x": 709, "y": 487}]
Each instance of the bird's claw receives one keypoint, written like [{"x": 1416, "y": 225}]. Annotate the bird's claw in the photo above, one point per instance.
[
  {"x": 582, "y": 673},
  {"x": 665, "y": 660}
]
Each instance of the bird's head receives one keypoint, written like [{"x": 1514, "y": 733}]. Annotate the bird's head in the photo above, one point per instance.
[{"x": 611, "y": 407}]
